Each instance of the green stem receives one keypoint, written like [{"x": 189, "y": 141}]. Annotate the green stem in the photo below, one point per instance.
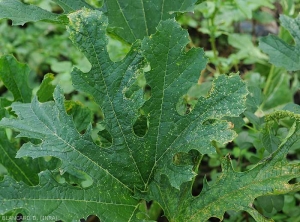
[
  {"x": 269, "y": 80},
  {"x": 218, "y": 150},
  {"x": 267, "y": 86},
  {"x": 212, "y": 38},
  {"x": 251, "y": 128}
]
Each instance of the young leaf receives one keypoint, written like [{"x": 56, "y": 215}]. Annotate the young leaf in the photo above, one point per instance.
[
  {"x": 279, "y": 91},
  {"x": 269, "y": 134},
  {"x": 247, "y": 50},
  {"x": 132, "y": 20},
  {"x": 233, "y": 190},
  {"x": 14, "y": 75},
  {"x": 82, "y": 116},
  {"x": 46, "y": 89},
  {"x": 21, "y": 13},
  {"x": 281, "y": 53}
]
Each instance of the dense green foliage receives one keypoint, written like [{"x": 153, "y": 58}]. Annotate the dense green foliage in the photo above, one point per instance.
[{"x": 139, "y": 123}]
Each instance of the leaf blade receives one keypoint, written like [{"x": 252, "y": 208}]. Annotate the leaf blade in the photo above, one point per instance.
[
  {"x": 50, "y": 123},
  {"x": 134, "y": 20},
  {"x": 21, "y": 13},
  {"x": 14, "y": 75},
  {"x": 233, "y": 190},
  {"x": 109, "y": 82},
  {"x": 281, "y": 53},
  {"x": 63, "y": 203}
]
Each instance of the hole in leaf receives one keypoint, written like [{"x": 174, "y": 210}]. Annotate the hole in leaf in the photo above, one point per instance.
[
  {"x": 92, "y": 218},
  {"x": 148, "y": 204},
  {"x": 182, "y": 106},
  {"x": 190, "y": 158},
  {"x": 297, "y": 97},
  {"x": 105, "y": 139},
  {"x": 292, "y": 157},
  {"x": 31, "y": 140},
  {"x": 147, "y": 92},
  {"x": 162, "y": 218},
  {"x": 55, "y": 8},
  {"x": 197, "y": 186},
  {"x": 116, "y": 48},
  {"x": 209, "y": 170},
  {"x": 209, "y": 122},
  {"x": 19, "y": 217},
  {"x": 186, "y": 104},
  {"x": 293, "y": 181},
  {"x": 74, "y": 177},
  {"x": 140, "y": 126},
  {"x": 149, "y": 211},
  {"x": 82, "y": 116},
  {"x": 200, "y": 90},
  {"x": 226, "y": 215},
  {"x": 214, "y": 219},
  {"x": 267, "y": 204},
  {"x": 135, "y": 85},
  {"x": 96, "y": 4}
]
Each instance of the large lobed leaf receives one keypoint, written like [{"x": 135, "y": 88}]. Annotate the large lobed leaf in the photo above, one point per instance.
[
  {"x": 131, "y": 162},
  {"x": 281, "y": 53},
  {"x": 172, "y": 73}
]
